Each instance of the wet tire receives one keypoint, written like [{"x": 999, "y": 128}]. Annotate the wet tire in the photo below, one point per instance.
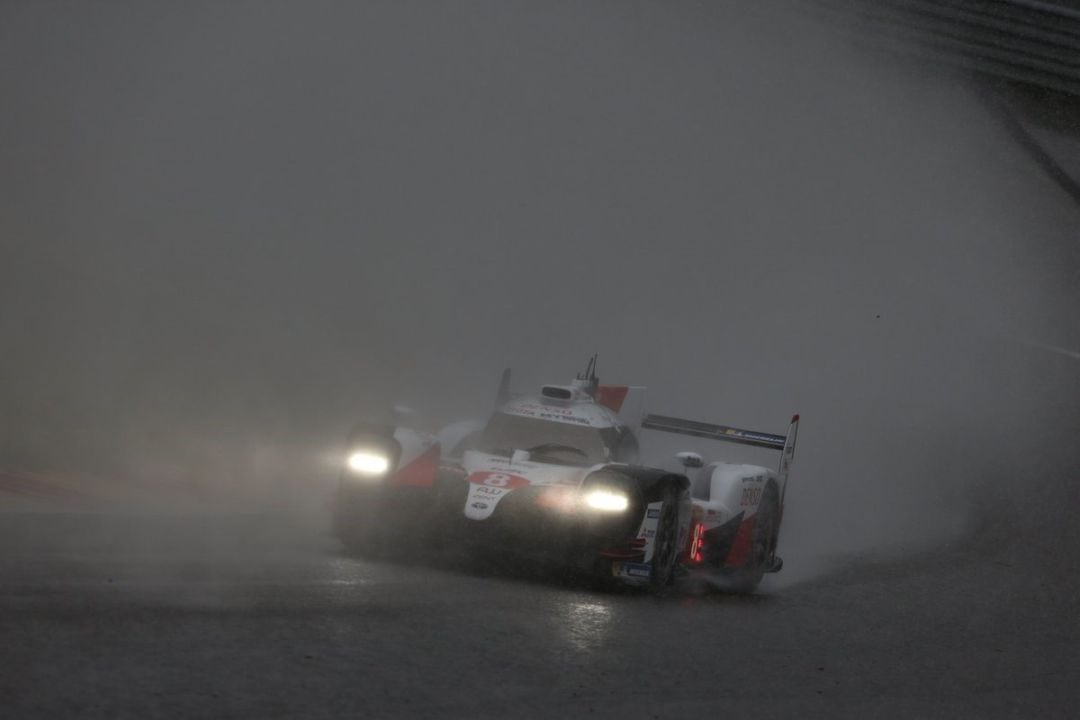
[
  {"x": 762, "y": 544},
  {"x": 666, "y": 552}
]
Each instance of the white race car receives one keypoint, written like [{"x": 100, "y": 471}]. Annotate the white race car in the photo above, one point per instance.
[{"x": 557, "y": 475}]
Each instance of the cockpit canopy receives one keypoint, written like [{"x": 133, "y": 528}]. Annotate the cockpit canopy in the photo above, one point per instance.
[{"x": 558, "y": 441}]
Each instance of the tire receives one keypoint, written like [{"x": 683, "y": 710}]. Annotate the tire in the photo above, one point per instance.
[
  {"x": 666, "y": 552},
  {"x": 762, "y": 543}
]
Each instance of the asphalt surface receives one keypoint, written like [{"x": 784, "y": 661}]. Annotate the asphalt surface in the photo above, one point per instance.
[{"x": 265, "y": 616}]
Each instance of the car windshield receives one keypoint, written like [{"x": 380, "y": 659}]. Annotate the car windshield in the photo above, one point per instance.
[{"x": 550, "y": 439}]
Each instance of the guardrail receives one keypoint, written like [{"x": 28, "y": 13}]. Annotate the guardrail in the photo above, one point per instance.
[{"x": 1029, "y": 41}]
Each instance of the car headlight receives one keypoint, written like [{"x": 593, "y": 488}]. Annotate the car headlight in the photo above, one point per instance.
[
  {"x": 607, "y": 500},
  {"x": 368, "y": 462}
]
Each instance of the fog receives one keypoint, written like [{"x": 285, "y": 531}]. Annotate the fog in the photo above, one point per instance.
[{"x": 229, "y": 231}]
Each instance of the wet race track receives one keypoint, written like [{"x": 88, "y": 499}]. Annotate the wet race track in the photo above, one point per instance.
[
  {"x": 265, "y": 616},
  {"x": 231, "y": 231}
]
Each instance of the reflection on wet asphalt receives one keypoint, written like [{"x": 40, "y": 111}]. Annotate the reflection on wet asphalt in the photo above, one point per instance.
[{"x": 263, "y": 616}]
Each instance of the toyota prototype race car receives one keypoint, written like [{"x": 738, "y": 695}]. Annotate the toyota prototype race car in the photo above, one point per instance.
[{"x": 557, "y": 475}]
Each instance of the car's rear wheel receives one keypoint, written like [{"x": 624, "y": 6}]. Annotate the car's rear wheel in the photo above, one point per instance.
[{"x": 762, "y": 544}]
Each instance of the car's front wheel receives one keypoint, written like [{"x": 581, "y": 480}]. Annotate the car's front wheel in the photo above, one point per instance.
[{"x": 666, "y": 551}]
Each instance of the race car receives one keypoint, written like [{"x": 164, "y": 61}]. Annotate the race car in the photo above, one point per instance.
[{"x": 557, "y": 475}]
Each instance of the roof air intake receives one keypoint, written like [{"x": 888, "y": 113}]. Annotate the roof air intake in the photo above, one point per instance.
[{"x": 556, "y": 392}]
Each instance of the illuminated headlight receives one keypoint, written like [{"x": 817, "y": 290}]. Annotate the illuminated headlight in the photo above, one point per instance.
[
  {"x": 609, "y": 500},
  {"x": 366, "y": 462}
]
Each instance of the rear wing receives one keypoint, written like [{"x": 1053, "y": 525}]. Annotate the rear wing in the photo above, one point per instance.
[{"x": 784, "y": 443}]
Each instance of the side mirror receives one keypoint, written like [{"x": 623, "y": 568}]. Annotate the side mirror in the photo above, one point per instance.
[{"x": 690, "y": 460}]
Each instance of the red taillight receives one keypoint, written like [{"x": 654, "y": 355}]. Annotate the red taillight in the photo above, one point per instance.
[{"x": 697, "y": 542}]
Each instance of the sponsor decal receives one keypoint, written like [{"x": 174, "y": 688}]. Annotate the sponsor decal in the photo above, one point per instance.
[
  {"x": 486, "y": 489},
  {"x": 505, "y": 480},
  {"x": 647, "y": 531},
  {"x": 632, "y": 570},
  {"x": 565, "y": 418},
  {"x": 549, "y": 412},
  {"x": 535, "y": 408},
  {"x": 750, "y": 497},
  {"x": 753, "y": 435}
]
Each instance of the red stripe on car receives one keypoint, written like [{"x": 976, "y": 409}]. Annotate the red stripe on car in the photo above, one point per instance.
[
  {"x": 612, "y": 396},
  {"x": 421, "y": 471},
  {"x": 741, "y": 545}
]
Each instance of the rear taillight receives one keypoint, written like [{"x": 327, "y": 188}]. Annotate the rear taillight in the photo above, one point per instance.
[{"x": 697, "y": 542}]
